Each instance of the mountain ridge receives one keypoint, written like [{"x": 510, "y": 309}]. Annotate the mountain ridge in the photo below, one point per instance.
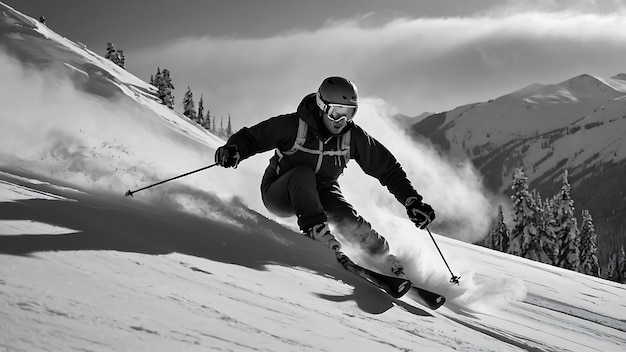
[{"x": 578, "y": 124}]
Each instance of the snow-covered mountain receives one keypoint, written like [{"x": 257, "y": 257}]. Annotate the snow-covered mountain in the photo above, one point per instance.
[
  {"x": 578, "y": 124},
  {"x": 405, "y": 121},
  {"x": 195, "y": 264}
]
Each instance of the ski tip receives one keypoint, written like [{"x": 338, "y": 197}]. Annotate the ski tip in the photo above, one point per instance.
[
  {"x": 437, "y": 303},
  {"x": 403, "y": 288}
]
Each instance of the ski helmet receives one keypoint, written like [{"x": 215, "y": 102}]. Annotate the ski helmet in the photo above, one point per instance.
[{"x": 337, "y": 93}]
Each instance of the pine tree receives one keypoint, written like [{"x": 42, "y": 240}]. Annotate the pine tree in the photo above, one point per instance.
[
  {"x": 588, "y": 258},
  {"x": 116, "y": 56},
  {"x": 611, "y": 270},
  {"x": 201, "y": 111},
  {"x": 221, "y": 131},
  {"x": 111, "y": 53},
  {"x": 189, "y": 106},
  {"x": 621, "y": 266},
  {"x": 498, "y": 238},
  {"x": 567, "y": 234},
  {"x": 229, "y": 128},
  {"x": 524, "y": 237},
  {"x": 489, "y": 240},
  {"x": 121, "y": 59},
  {"x": 163, "y": 83},
  {"x": 207, "y": 120},
  {"x": 551, "y": 246},
  {"x": 156, "y": 80}
]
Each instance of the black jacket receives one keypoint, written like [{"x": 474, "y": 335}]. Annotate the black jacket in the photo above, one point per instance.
[{"x": 280, "y": 133}]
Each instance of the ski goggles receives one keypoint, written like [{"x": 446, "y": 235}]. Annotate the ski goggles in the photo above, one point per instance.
[{"x": 338, "y": 112}]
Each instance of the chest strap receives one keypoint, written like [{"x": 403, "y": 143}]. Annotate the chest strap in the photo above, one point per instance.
[{"x": 342, "y": 151}]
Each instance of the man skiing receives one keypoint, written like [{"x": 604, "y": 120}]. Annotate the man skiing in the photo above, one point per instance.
[{"x": 312, "y": 147}]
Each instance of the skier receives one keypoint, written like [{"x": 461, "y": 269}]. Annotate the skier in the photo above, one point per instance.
[{"x": 312, "y": 147}]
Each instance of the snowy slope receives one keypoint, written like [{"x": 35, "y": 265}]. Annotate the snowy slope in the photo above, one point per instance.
[
  {"x": 97, "y": 272},
  {"x": 196, "y": 264}
]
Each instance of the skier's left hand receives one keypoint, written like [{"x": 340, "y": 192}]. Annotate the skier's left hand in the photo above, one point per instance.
[{"x": 420, "y": 213}]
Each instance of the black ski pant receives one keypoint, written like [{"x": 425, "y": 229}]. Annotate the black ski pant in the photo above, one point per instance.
[{"x": 297, "y": 193}]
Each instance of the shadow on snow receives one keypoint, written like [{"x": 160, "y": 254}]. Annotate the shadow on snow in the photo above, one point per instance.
[{"x": 107, "y": 222}]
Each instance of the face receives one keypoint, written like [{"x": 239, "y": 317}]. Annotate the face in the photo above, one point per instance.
[
  {"x": 337, "y": 117},
  {"x": 335, "y": 127}
]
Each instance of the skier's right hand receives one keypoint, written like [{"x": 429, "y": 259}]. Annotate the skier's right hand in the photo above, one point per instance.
[{"x": 227, "y": 156}]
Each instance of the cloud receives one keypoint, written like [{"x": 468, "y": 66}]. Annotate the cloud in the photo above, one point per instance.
[
  {"x": 423, "y": 64},
  {"x": 512, "y": 7}
]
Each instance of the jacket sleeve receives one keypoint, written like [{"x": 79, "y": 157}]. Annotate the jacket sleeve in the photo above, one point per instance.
[
  {"x": 276, "y": 132},
  {"x": 377, "y": 161}
]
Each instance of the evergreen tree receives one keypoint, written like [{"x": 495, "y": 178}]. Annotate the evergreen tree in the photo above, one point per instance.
[
  {"x": 229, "y": 128},
  {"x": 207, "y": 120},
  {"x": 567, "y": 233},
  {"x": 524, "y": 236},
  {"x": 611, "y": 270},
  {"x": 116, "y": 56},
  {"x": 551, "y": 246},
  {"x": 189, "y": 106},
  {"x": 615, "y": 270},
  {"x": 588, "y": 248},
  {"x": 163, "y": 83},
  {"x": 504, "y": 236},
  {"x": 221, "y": 131},
  {"x": 121, "y": 59},
  {"x": 156, "y": 80},
  {"x": 201, "y": 111},
  {"x": 489, "y": 240},
  {"x": 111, "y": 53},
  {"x": 621, "y": 266},
  {"x": 498, "y": 238},
  {"x": 546, "y": 241}
]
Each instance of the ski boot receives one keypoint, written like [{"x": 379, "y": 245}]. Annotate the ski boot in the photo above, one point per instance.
[
  {"x": 321, "y": 232},
  {"x": 396, "y": 267}
]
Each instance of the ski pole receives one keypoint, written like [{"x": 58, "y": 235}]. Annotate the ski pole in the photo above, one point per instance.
[
  {"x": 454, "y": 279},
  {"x": 130, "y": 193}
]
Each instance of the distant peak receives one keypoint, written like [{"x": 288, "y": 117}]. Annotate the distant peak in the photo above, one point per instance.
[
  {"x": 587, "y": 85},
  {"x": 583, "y": 77},
  {"x": 620, "y": 76}
]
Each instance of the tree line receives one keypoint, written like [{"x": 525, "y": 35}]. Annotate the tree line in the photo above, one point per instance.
[
  {"x": 546, "y": 230},
  {"x": 163, "y": 83}
]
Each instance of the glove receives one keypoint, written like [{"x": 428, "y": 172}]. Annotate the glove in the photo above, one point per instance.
[
  {"x": 420, "y": 213},
  {"x": 227, "y": 156}
]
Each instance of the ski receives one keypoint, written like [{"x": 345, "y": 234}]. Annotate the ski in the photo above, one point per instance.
[
  {"x": 394, "y": 286},
  {"x": 431, "y": 299}
]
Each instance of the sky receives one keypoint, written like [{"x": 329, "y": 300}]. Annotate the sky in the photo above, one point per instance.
[{"x": 257, "y": 59}]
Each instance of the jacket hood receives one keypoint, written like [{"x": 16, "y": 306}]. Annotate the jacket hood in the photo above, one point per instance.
[{"x": 310, "y": 113}]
